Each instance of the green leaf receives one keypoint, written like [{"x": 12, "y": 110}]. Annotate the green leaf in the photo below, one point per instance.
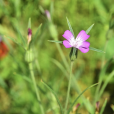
[
  {"x": 94, "y": 49},
  {"x": 101, "y": 76},
  {"x": 24, "y": 77},
  {"x": 70, "y": 27},
  {"x": 29, "y": 23},
  {"x": 79, "y": 97},
  {"x": 106, "y": 82},
  {"x": 102, "y": 73},
  {"x": 55, "y": 41},
  {"x": 21, "y": 37},
  {"x": 11, "y": 39},
  {"x": 88, "y": 30},
  {"x": 61, "y": 109},
  {"x": 103, "y": 107},
  {"x": 36, "y": 35}
]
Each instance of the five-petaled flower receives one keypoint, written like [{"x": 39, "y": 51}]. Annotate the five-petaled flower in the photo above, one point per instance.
[{"x": 79, "y": 42}]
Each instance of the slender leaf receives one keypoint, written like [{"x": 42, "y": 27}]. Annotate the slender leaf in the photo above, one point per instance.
[
  {"x": 56, "y": 41},
  {"x": 88, "y": 30},
  {"x": 94, "y": 49},
  {"x": 24, "y": 77},
  {"x": 29, "y": 23},
  {"x": 60, "y": 66},
  {"x": 11, "y": 39},
  {"x": 36, "y": 35},
  {"x": 102, "y": 73},
  {"x": 103, "y": 107},
  {"x": 21, "y": 37},
  {"x": 79, "y": 97},
  {"x": 101, "y": 76},
  {"x": 70, "y": 27},
  {"x": 106, "y": 82},
  {"x": 54, "y": 95}
]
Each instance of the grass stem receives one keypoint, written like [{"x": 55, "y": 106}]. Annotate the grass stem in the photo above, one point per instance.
[{"x": 68, "y": 91}]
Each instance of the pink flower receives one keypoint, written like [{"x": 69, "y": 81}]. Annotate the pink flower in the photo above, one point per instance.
[{"x": 79, "y": 43}]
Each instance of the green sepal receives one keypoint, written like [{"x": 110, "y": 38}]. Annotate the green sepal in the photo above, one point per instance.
[
  {"x": 29, "y": 23},
  {"x": 88, "y": 30},
  {"x": 70, "y": 27},
  {"x": 56, "y": 41},
  {"x": 98, "y": 50},
  {"x": 73, "y": 53},
  {"x": 29, "y": 56}
]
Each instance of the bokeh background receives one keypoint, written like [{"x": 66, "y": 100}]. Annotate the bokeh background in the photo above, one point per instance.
[{"x": 17, "y": 94}]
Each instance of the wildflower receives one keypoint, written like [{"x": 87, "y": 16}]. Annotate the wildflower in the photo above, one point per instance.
[
  {"x": 29, "y": 35},
  {"x": 79, "y": 43},
  {"x": 3, "y": 49}
]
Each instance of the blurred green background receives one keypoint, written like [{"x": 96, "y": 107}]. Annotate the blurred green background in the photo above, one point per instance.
[{"x": 17, "y": 95}]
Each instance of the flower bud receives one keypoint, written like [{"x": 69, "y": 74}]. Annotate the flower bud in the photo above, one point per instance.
[
  {"x": 48, "y": 15},
  {"x": 29, "y": 35}
]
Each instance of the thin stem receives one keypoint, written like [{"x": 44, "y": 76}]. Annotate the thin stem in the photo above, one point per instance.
[
  {"x": 68, "y": 91},
  {"x": 34, "y": 83}
]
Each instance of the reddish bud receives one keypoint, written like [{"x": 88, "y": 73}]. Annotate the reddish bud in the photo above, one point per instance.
[{"x": 29, "y": 35}]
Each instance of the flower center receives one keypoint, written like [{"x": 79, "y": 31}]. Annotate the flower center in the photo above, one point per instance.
[{"x": 75, "y": 42}]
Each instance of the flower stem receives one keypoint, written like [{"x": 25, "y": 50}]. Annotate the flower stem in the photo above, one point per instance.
[
  {"x": 35, "y": 86},
  {"x": 68, "y": 91}
]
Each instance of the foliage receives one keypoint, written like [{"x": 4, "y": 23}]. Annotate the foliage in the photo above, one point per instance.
[{"x": 51, "y": 60}]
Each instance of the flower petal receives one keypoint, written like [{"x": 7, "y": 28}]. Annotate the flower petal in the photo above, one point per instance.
[
  {"x": 83, "y": 50},
  {"x": 66, "y": 44},
  {"x": 82, "y": 35},
  {"x": 85, "y": 44},
  {"x": 68, "y": 35}
]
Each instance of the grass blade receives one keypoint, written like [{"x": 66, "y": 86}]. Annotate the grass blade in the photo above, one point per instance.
[
  {"x": 12, "y": 39},
  {"x": 79, "y": 96},
  {"x": 54, "y": 95},
  {"x": 106, "y": 82},
  {"x": 103, "y": 107},
  {"x": 70, "y": 27},
  {"x": 101, "y": 76},
  {"x": 88, "y": 30}
]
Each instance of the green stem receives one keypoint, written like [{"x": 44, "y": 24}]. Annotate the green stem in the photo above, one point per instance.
[
  {"x": 35, "y": 86},
  {"x": 68, "y": 91}
]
